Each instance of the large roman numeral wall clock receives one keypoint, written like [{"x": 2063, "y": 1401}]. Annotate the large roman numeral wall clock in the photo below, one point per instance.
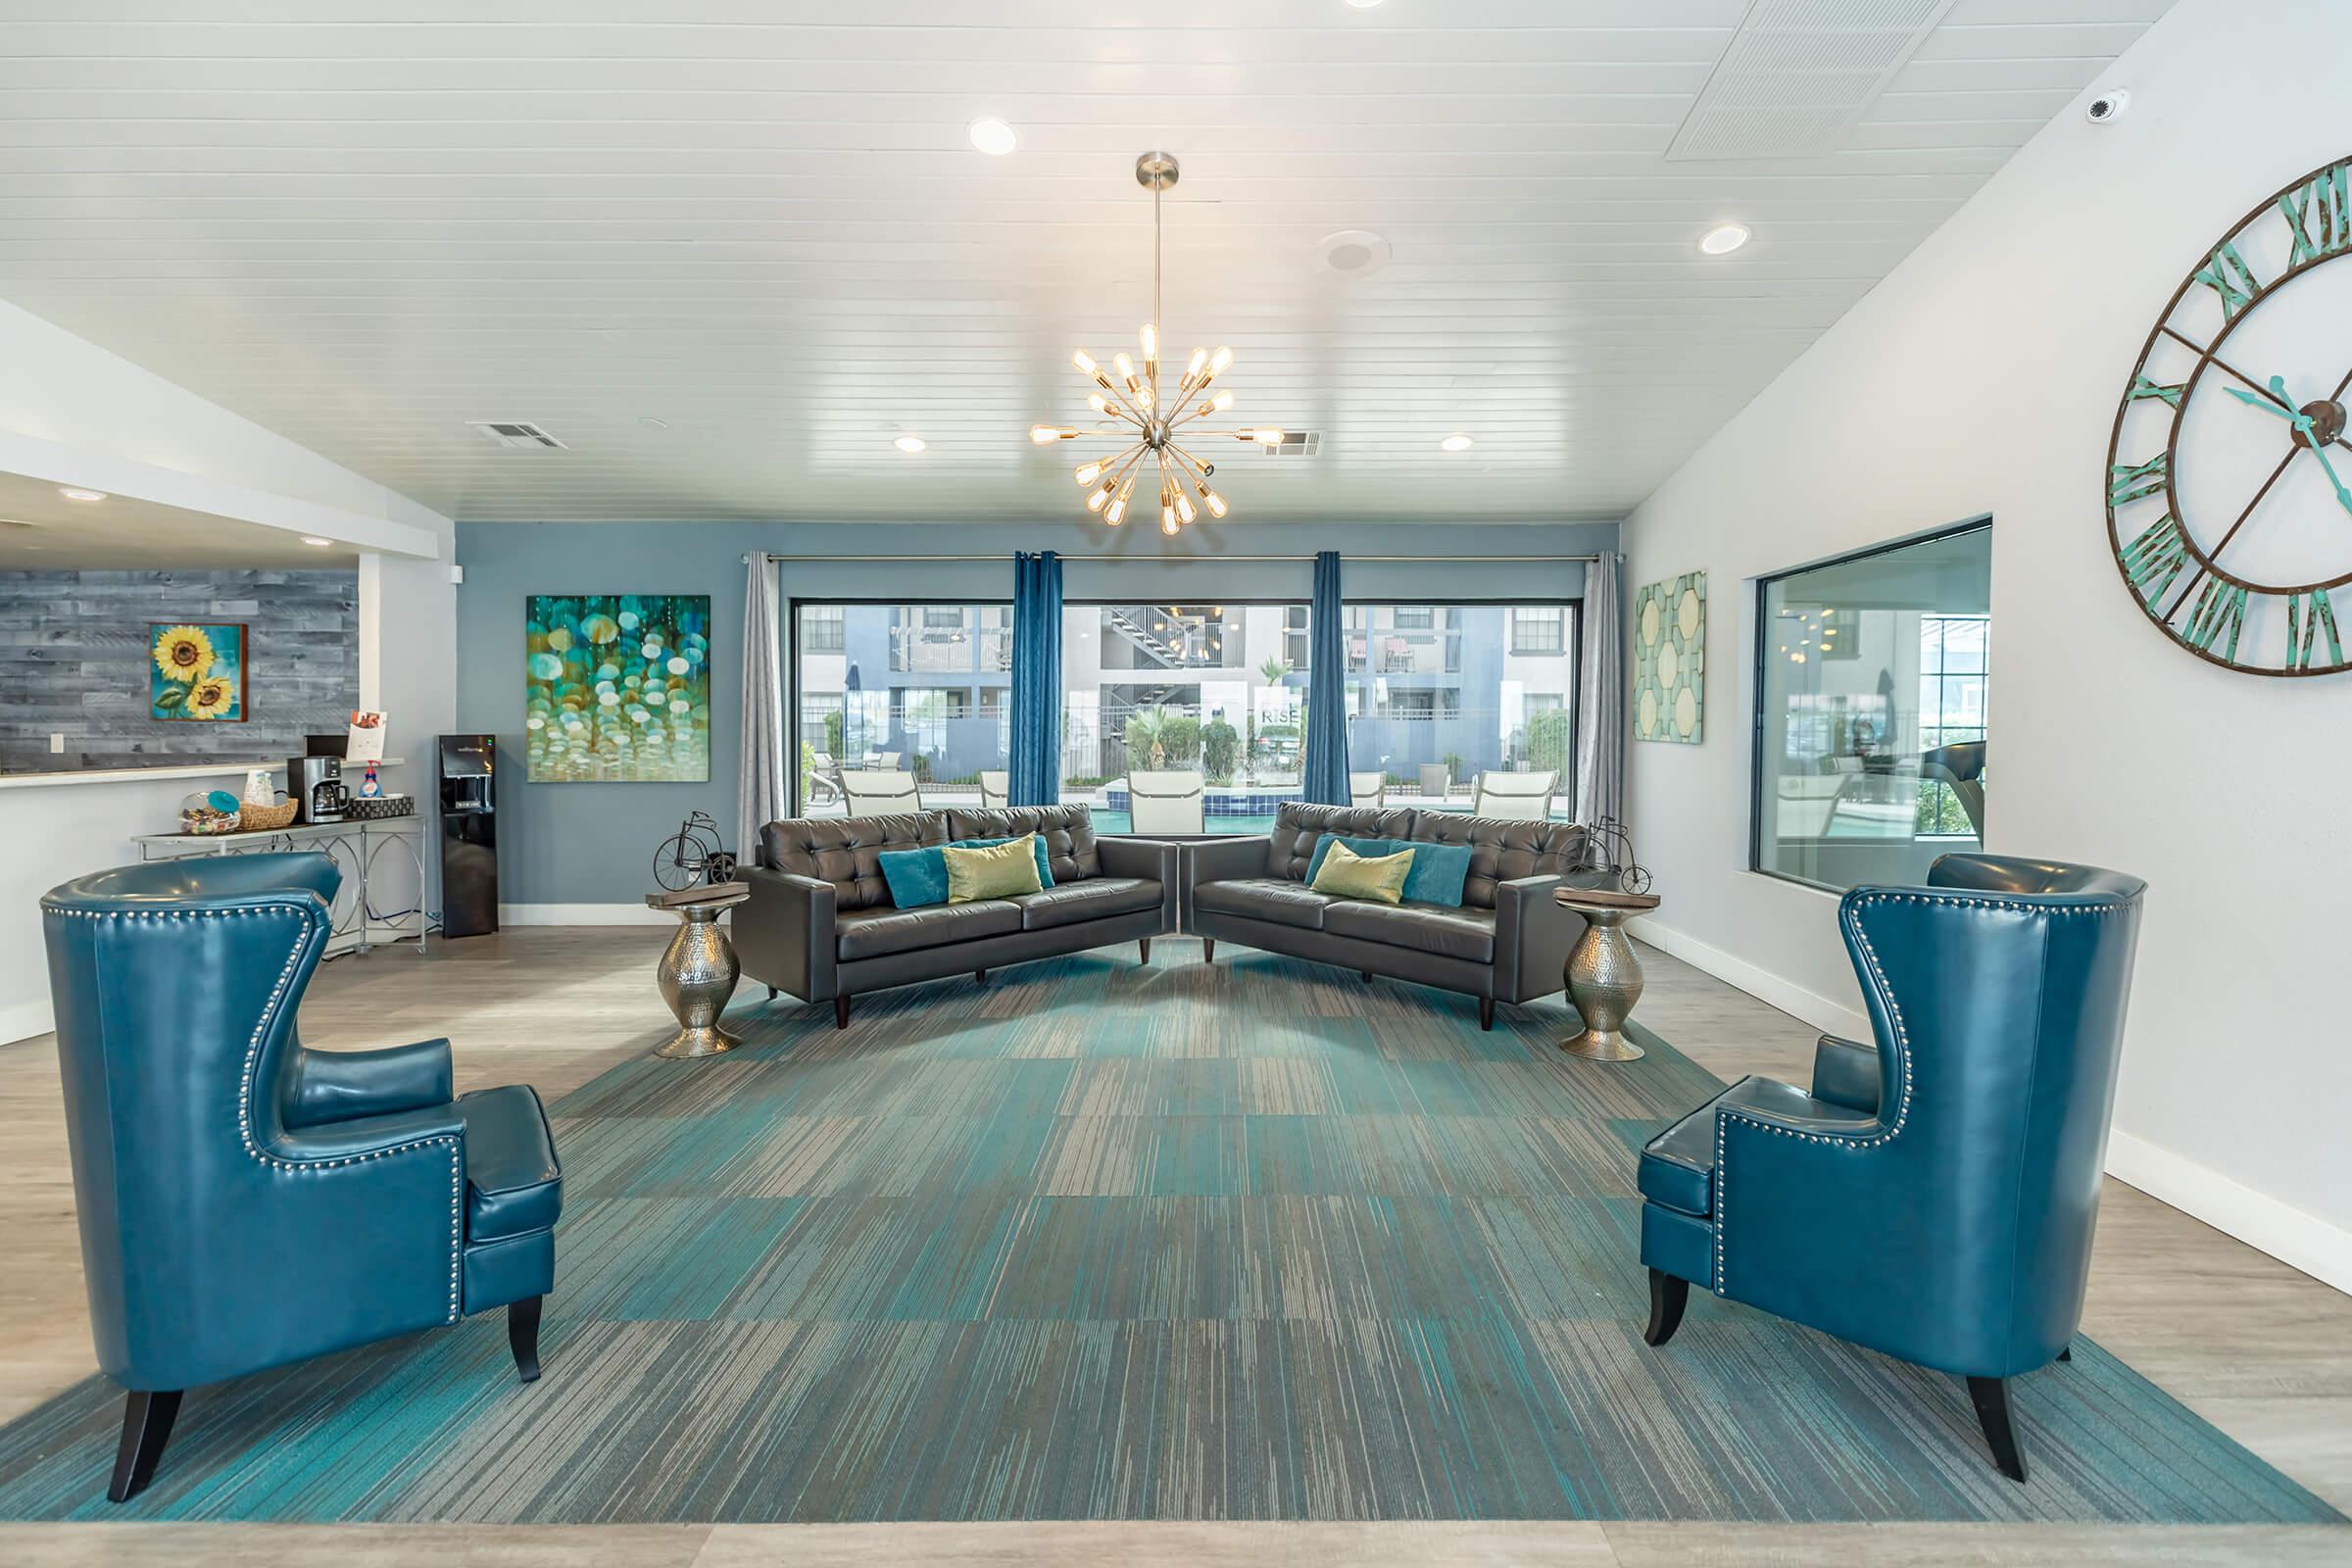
[{"x": 2230, "y": 474}]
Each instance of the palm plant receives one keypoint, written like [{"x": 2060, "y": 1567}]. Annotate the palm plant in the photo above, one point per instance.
[{"x": 1146, "y": 729}]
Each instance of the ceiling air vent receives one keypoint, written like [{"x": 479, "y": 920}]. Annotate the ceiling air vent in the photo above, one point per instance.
[
  {"x": 518, "y": 436},
  {"x": 1798, "y": 73},
  {"x": 1295, "y": 444}
]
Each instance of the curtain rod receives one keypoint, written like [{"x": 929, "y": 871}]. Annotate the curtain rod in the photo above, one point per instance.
[{"x": 1195, "y": 560}]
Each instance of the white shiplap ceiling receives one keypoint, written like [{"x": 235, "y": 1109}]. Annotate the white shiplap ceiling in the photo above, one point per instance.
[{"x": 759, "y": 222}]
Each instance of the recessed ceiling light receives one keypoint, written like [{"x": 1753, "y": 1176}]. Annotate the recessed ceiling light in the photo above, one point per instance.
[
  {"x": 1457, "y": 442},
  {"x": 1354, "y": 251},
  {"x": 1724, "y": 239},
  {"x": 317, "y": 542},
  {"x": 71, "y": 494},
  {"x": 909, "y": 444},
  {"x": 1363, "y": 5},
  {"x": 992, "y": 136}
]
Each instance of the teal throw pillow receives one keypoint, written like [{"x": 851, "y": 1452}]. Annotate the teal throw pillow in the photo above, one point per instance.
[
  {"x": 1439, "y": 869},
  {"x": 916, "y": 877},
  {"x": 1045, "y": 872}
]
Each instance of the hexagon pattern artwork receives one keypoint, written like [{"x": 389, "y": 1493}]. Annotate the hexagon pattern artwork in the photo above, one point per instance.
[{"x": 1670, "y": 660}]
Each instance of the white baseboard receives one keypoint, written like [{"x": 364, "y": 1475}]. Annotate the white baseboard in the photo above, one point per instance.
[
  {"x": 1814, "y": 1009},
  {"x": 582, "y": 915},
  {"x": 23, "y": 1020},
  {"x": 2298, "y": 1240}
]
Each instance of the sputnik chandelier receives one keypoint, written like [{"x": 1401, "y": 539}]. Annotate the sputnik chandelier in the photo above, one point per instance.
[{"x": 1150, "y": 433}]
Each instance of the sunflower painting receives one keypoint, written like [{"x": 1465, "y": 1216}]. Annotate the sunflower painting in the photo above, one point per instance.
[
  {"x": 617, "y": 688},
  {"x": 196, "y": 671}
]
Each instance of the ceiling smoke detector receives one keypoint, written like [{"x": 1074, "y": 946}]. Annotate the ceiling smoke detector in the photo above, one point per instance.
[
  {"x": 1353, "y": 252},
  {"x": 519, "y": 435}
]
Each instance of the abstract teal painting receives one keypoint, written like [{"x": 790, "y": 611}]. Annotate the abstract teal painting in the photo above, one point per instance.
[
  {"x": 1670, "y": 660},
  {"x": 196, "y": 671},
  {"x": 617, "y": 688}
]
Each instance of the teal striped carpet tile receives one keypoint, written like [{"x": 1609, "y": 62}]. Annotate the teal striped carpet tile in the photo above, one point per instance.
[{"x": 1102, "y": 1242}]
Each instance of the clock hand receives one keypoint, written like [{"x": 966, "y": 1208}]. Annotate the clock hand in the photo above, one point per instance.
[
  {"x": 2268, "y": 405},
  {"x": 2341, "y": 493},
  {"x": 2212, "y": 358},
  {"x": 2279, "y": 402}
]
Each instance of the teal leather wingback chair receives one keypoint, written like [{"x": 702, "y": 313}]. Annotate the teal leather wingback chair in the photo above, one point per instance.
[
  {"x": 1933, "y": 1197},
  {"x": 245, "y": 1203}
]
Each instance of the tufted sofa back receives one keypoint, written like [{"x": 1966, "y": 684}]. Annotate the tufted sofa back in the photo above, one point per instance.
[
  {"x": 1500, "y": 850},
  {"x": 1068, "y": 831},
  {"x": 1297, "y": 828},
  {"x": 844, "y": 850}
]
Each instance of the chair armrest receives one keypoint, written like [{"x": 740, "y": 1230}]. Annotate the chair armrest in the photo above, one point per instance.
[
  {"x": 1218, "y": 859},
  {"x": 331, "y": 1086},
  {"x": 1832, "y": 1222},
  {"x": 1156, "y": 859},
  {"x": 364, "y": 1138},
  {"x": 784, "y": 933},
  {"x": 1152, "y": 859},
  {"x": 1225, "y": 859},
  {"x": 1845, "y": 1073},
  {"x": 1533, "y": 937},
  {"x": 364, "y": 1223}
]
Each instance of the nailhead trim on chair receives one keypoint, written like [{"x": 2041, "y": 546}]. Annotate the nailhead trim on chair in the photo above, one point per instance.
[
  {"x": 312, "y": 933},
  {"x": 1895, "y": 1016}
]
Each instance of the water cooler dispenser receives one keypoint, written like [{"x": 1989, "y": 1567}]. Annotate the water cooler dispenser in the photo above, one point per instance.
[{"x": 468, "y": 835}]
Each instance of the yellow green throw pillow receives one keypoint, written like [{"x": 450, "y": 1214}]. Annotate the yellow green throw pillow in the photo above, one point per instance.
[
  {"x": 995, "y": 872},
  {"x": 1346, "y": 874}
]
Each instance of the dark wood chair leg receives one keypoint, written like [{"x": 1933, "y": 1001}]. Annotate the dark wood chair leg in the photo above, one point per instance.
[
  {"x": 980, "y": 978},
  {"x": 771, "y": 992},
  {"x": 1367, "y": 978},
  {"x": 1992, "y": 1395},
  {"x": 2067, "y": 1354},
  {"x": 1668, "y": 1295},
  {"x": 841, "y": 1011},
  {"x": 1208, "y": 949},
  {"x": 146, "y": 1428},
  {"x": 1486, "y": 1012},
  {"x": 1144, "y": 942},
  {"x": 523, "y": 1336}
]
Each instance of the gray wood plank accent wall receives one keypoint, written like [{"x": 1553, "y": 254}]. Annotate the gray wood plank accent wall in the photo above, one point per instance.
[{"x": 74, "y": 661}]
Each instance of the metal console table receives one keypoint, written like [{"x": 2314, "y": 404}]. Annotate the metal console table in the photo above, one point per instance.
[{"x": 352, "y": 846}]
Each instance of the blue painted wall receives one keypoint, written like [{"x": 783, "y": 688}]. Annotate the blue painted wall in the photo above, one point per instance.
[{"x": 594, "y": 843}]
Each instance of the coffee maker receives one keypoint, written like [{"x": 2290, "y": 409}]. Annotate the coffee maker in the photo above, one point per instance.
[{"x": 316, "y": 785}]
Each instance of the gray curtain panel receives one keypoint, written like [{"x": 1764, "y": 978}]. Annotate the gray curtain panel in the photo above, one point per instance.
[
  {"x": 761, "y": 797},
  {"x": 1601, "y": 697}
]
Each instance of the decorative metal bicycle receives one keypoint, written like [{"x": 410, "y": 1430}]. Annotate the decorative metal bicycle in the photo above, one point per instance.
[{"x": 693, "y": 855}]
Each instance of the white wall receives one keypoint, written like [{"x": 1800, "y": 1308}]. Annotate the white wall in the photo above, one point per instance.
[
  {"x": 66, "y": 401},
  {"x": 1982, "y": 376}
]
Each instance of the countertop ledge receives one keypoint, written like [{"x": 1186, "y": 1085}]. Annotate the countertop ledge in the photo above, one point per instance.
[{"x": 119, "y": 775}]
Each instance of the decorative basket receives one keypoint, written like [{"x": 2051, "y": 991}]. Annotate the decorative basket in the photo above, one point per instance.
[{"x": 266, "y": 819}]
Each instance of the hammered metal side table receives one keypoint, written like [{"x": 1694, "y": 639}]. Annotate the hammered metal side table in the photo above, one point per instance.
[
  {"x": 1605, "y": 978},
  {"x": 698, "y": 972}
]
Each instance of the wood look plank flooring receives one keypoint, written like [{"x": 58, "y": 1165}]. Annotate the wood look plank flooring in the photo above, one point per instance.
[{"x": 2261, "y": 1351}]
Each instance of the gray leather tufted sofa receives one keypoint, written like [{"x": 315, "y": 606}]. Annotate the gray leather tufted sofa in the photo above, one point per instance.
[
  {"x": 1508, "y": 942},
  {"x": 820, "y": 923}
]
